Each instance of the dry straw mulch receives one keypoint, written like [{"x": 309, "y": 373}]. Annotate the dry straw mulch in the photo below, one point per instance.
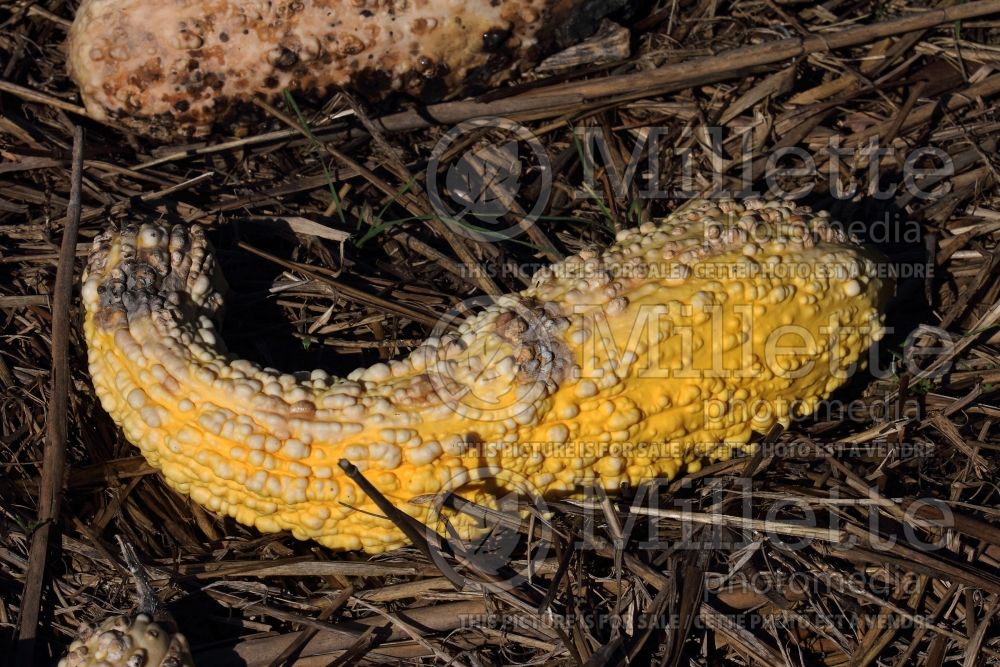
[{"x": 867, "y": 534}]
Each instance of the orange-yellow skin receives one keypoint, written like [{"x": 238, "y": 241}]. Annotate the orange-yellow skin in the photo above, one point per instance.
[
  {"x": 667, "y": 350},
  {"x": 174, "y": 68}
]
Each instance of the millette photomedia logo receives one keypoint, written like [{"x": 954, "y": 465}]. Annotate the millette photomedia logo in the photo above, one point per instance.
[{"x": 489, "y": 179}]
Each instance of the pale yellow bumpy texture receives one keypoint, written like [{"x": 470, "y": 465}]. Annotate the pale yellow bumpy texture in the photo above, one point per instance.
[
  {"x": 173, "y": 68},
  {"x": 645, "y": 360},
  {"x": 123, "y": 641}
]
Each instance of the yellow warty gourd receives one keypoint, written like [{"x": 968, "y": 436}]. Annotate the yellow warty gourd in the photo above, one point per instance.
[
  {"x": 128, "y": 641},
  {"x": 175, "y": 68},
  {"x": 664, "y": 351}
]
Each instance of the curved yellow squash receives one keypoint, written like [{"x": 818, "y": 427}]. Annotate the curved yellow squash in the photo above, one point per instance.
[{"x": 664, "y": 351}]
